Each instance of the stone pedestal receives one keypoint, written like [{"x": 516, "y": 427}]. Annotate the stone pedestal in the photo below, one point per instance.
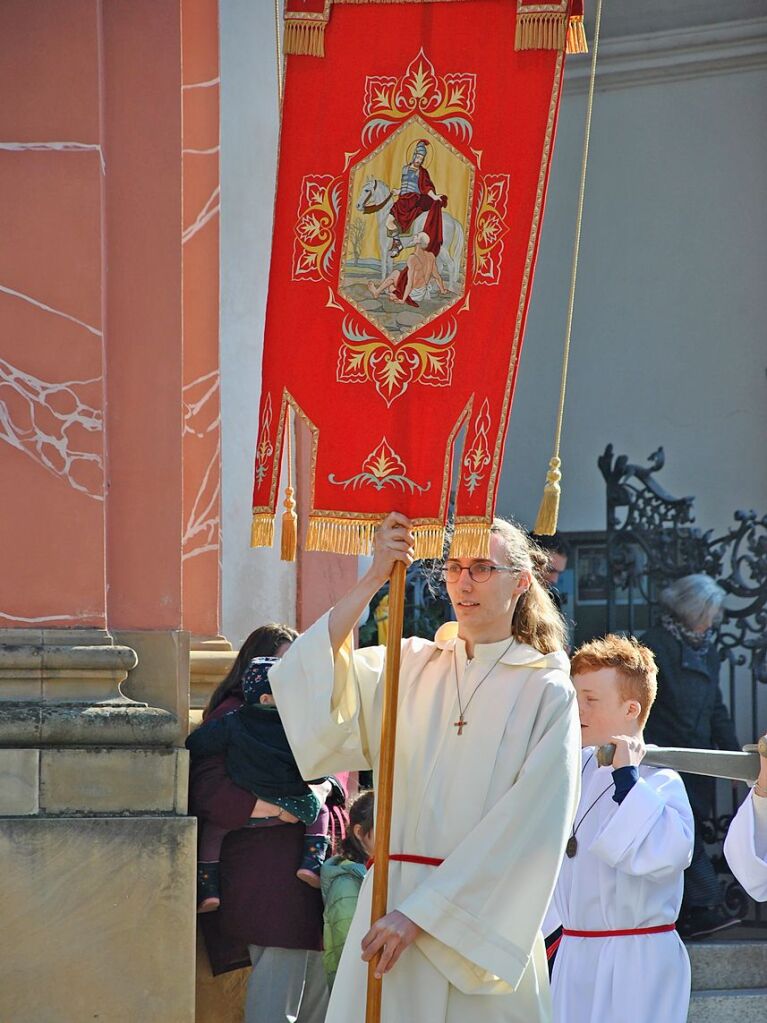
[
  {"x": 97, "y": 919},
  {"x": 97, "y": 854}
]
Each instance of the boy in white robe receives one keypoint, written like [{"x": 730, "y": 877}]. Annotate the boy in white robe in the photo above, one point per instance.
[
  {"x": 745, "y": 847},
  {"x": 620, "y": 887},
  {"x": 485, "y": 783}
]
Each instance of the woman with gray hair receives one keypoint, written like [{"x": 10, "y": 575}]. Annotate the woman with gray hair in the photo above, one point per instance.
[{"x": 689, "y": 711}]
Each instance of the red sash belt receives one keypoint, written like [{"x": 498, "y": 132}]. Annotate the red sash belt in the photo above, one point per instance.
[
  {"x": 426, "y": 861},
  {"x": 617, "y": 934}
]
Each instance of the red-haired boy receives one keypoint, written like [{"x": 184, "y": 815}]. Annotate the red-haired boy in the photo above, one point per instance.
[{"x": 620, "y": 886}]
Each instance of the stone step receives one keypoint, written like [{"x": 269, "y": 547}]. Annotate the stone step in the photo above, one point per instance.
[
  {"x": 748, "y": 1005},
  {"x": 728, "y": 965}
]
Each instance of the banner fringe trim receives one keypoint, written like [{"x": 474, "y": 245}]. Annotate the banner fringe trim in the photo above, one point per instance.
[
  {"x": 262, "y": 530},
  {"x": 305, "y": 38},
  {"x": 356, "y": 536},
  {"x": 538, "y": 31},
  {"x": 576, "y": 36},
  {"x": 470, "y": 540}
]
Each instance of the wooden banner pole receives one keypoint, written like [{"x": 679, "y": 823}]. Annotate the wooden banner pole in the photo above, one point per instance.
[{"x": 384, "y": 781}]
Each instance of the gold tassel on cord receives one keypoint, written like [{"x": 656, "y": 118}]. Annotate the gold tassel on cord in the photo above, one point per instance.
[
  {"x": 305, "y": 37},
  {"x": 548, "y": 513},
  {"x": 262, "y": 530},
  {"x": 576, "y": 36},
  {"x": 289, "y": 536}
]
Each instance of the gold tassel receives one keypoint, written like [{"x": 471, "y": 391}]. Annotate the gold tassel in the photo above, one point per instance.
[
  {"x": 305, "y": 37},
  {"x": 289, "y": 538},
  {"x": 540, "y": 31},
  {"x": 576, "y": 36},
  {"x": 470, "y": 540},
  {"x": 548, "y": 513},
  {"x": 262, "y": 530}
]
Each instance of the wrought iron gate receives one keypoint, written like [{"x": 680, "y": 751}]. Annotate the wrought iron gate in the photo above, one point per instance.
[{"x": 651, "y": 539}]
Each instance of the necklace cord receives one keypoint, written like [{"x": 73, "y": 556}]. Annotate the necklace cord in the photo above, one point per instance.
[{"x": 463, "y": 709}]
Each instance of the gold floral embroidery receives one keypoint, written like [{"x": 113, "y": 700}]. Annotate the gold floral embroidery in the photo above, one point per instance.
[
  {"x": 477, "y": 457},
  {"x": 448, "y": 99},
  {"x": 364, "y": 358},
  {"x": 491, "y": 228},
  {"x": 383, "y": 467},
  {"x": 265, "y": 448},
  {"x": 315, "y": 241}
]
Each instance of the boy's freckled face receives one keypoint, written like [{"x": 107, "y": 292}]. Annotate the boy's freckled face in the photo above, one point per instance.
[{"x": 602, "y": 709}]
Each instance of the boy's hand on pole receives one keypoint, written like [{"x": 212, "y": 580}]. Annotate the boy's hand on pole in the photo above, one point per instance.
[{"x": 629, "y": 751}]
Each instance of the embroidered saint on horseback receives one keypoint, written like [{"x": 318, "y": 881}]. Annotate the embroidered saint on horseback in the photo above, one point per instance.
[{"x": 417, "y": 194}]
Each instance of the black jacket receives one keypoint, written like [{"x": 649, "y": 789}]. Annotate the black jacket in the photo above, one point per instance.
[
  {"x": 258, "y": 755},
  {"x": 688, "y": 710}
]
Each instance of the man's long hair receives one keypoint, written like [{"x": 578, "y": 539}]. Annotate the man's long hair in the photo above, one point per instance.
[{"x": 536, "y": 620}]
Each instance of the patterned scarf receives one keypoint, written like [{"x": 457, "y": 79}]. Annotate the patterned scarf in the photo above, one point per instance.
[{"x": 699, "y": 641}]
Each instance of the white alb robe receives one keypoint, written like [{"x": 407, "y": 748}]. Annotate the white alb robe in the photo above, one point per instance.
[
  {"x": 627, "y": 873},
  {"x": 496, "y": 803},
  {"x": 745, "y": 847}
]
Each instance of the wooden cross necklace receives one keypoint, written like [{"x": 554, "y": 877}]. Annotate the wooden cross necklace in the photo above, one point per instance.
[{"x": 461, "y": 723}]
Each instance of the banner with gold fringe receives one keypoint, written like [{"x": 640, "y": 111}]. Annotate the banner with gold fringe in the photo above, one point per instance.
[
  {"x": 413, "y": 168},
  {"x": 540, "y": 25}
]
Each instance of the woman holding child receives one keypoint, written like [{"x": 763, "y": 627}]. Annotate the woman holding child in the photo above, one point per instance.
[{"x": 268, "y": 916}]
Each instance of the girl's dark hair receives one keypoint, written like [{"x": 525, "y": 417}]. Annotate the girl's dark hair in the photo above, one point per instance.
[
  {"x": 360, "y": 812},
  {"x": 264, "y": 641}
]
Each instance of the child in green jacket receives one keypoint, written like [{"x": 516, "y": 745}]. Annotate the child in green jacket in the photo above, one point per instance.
[{"x": 341, "y": 878}]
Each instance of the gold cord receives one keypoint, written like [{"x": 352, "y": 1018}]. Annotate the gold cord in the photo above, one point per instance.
[
  {"x": 279, "y": 57},
  {"x": 289, "y": 537},
  {"x": 546, "y": 523}
]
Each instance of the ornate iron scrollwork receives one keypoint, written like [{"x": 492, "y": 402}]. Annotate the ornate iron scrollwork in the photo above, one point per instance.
[{"x": 652, "y": 539}]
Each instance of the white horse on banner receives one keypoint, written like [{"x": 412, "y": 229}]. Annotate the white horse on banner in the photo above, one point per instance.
[{"x": 376, "y": 197}]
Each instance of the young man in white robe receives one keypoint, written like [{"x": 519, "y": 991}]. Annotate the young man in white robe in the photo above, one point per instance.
[
  {"x": 620, "y": 888},
  {"x": 745, "y": 847},
  {"x": 485, "y": 784}
]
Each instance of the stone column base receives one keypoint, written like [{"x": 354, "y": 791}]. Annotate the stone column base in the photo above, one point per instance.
[
  {"x": 98, "y": 919},
  {"x": 93, "y": 781}
]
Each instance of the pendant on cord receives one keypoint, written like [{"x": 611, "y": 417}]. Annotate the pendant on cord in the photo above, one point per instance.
[
  {"x": 572, "y": 846},
  {"x": 460, "y": 724}
]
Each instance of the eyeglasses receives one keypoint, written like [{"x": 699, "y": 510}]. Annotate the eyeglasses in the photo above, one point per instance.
[{"x": 479, "y": 571}]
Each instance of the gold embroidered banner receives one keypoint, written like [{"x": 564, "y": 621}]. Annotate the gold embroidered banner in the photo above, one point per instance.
[{"x": 413, "y": 169}]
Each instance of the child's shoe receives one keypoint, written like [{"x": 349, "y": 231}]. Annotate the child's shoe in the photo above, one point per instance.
[
  {"x": 315, "y": 850},
  {"x": 208, "y": 893}
]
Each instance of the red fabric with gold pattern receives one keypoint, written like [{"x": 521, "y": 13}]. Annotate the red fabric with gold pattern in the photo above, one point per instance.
[{"x": 386, "y": 370}]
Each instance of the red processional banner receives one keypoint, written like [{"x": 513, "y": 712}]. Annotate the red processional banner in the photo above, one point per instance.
[{"x": 415, "y": 150}]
